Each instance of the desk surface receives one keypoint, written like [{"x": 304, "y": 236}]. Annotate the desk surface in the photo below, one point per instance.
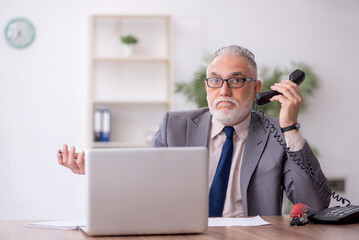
[{"x": 279, "y": 229}]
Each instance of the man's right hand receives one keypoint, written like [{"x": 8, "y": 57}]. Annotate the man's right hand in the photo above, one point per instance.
[{"x": 72, "y": 160}]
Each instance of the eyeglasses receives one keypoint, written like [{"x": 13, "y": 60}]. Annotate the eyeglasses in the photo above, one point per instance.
[{"x": 235, "y": 82}]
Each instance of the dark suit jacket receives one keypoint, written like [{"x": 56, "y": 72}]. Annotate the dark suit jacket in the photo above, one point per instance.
[{"x": 266, "y": 170}]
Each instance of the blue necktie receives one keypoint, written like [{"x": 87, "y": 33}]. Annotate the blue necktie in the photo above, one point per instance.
[{"x": 217, "y": 193}]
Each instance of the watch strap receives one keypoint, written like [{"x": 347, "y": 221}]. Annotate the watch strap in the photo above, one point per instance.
[{"x": 291, "y": 127}]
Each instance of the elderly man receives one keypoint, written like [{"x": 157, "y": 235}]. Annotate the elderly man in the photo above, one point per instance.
[{"x": 249, "y": 169}]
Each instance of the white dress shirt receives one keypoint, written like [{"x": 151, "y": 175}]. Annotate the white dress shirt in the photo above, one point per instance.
[{"x": 233, "y": 203}]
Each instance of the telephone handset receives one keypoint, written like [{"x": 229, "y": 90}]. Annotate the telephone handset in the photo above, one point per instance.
[{"x": 264, "y": 97}]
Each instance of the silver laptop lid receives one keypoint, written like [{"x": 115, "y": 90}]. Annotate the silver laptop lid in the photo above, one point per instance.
[{"x": 147, "y": 191}]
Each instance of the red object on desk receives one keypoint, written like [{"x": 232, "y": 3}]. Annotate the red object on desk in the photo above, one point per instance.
[{"x": 298, "y": 210}]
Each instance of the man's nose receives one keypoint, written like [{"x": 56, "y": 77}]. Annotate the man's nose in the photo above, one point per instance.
[{"x": 225, "y": 90}]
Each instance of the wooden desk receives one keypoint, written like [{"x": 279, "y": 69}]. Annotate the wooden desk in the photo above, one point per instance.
[{"x": 279, "y": 229}]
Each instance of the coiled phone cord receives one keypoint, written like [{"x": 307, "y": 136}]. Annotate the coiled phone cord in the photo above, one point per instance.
[{"x": 307, "y": 166}]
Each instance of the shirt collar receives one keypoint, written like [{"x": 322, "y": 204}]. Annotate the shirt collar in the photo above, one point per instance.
[{"x": 241, "y": 129}]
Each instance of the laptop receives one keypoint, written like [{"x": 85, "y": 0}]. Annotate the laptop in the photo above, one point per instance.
[{"x": 143, "y": 191}]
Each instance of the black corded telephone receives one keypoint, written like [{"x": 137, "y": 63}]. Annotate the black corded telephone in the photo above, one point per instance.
[
  {"x": 334, "y": 215},
  {"x": 264, "y": 97}
]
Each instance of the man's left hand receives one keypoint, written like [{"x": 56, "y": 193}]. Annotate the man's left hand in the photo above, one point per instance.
[{"x": 291, "y": 100}]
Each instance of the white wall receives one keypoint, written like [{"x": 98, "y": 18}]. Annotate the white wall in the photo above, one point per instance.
[{"x": 43, "y": 87}]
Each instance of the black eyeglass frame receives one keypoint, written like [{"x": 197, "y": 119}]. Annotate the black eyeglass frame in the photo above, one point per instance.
[{"x": 226, "y": 80}]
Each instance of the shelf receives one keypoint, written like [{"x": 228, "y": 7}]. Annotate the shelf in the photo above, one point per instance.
[
  {"x": 119, "y": 103},
  {"x": 96, "y": 17},
  {"x": 132, "y": 125},
  {"x": 119, "y": 144},
  {"x": 131, "y": 81},
  {"x": 136, "y": 89},
  {"x": 131, "y": 59},
  {"x": 152, "y": 32}
]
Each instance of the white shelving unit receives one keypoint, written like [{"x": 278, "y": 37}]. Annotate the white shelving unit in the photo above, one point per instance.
[{"x": 136, "y": 89}]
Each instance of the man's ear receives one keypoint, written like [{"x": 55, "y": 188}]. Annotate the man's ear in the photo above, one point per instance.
[{"x": 257, "y": 88}]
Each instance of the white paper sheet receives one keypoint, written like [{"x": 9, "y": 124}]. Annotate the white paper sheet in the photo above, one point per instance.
[
  {"x": 247, "y": 221},
  {"x": 71, "y": 224}
]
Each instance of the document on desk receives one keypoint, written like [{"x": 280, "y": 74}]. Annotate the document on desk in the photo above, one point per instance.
[
  {"x": 71, "y": 224},
  {"x": 246, "y": 221}
]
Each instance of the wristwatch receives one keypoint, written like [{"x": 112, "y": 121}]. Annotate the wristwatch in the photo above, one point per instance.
[{"x": 291, "y": 127}]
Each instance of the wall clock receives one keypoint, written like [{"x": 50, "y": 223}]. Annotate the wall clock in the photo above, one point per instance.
[{"x": 19, "y": 33}]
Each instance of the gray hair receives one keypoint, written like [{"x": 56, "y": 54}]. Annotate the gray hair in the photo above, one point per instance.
[{"x": 238, "y": 51}]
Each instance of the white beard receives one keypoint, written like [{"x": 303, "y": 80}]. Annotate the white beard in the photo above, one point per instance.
[{"x": 230, "y": 117}]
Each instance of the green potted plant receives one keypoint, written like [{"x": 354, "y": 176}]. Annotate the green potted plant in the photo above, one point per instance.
[{"x": 129, "y": 42}]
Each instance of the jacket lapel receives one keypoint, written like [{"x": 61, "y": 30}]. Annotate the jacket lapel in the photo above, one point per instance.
[
  {"x": 198, "y": 130},
  {"x": 255, "y": 144}
]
